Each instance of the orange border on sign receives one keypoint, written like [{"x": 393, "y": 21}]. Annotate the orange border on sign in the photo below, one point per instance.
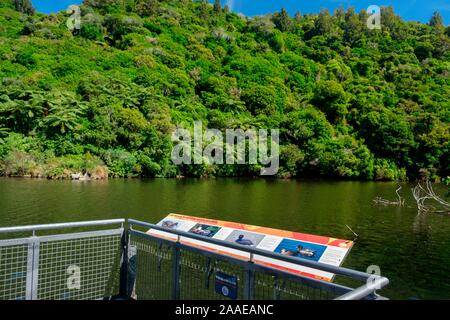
[
  {"x": 263, "y": 230},
  {"x": 237, "y": 256},
  {"x": 268, "y": 231}
]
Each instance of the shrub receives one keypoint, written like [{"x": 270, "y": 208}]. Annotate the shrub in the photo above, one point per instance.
[
  {"x": 26, "y": 59},
  {"x": 388, "y": 171},
  {"x": 91, "y": 31},
  {"x": 18, "y": 163},
  {"x": 24, "y": 6}
]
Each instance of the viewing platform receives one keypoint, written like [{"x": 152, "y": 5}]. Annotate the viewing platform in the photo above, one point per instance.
[{"x": 120, "y": 259}]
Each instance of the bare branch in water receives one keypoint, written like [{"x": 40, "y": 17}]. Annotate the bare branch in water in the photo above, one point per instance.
[
  {"x": 384, "y": 202},
  {"x": 423, "y": 193},
  {"x": 354, "y": 233}
]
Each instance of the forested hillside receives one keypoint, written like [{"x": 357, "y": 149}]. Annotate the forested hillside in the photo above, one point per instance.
[{"x": 350, "y": 102}]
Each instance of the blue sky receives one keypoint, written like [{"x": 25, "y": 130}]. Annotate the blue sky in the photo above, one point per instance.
[{"x": 418, "y": 10}]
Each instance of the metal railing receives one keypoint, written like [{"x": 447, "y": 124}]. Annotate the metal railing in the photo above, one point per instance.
[
  {"x": 130, "y": 263},
  {"x": 191, "y": 269},
  {"x": 82, "y": 265}
]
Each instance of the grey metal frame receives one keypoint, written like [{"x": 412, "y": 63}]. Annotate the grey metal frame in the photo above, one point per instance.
[
  {"x": 34, "y": 243},
  {"x": 54, "y": 226}
]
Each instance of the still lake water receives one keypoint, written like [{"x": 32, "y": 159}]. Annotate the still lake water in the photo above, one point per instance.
[{"x": 412, "y": 250}]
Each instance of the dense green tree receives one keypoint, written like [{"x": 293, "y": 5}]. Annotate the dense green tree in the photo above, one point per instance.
[
  {"x": 350, "y": 102},
  {"x": 282, "y": 20},
  {"x": 331, "y": 98},
  {"x": 388, "y": 18},
  {"x": 301, "y": 126},
  {"x": 259, "y": 99},
  {"x": 353, "y": 27},
  {"x": 339, "y": 13},
  {"x": 217, "y": 6},
  {"x": 24, "y": 6},
  {"x": 64, "y": 112},
  {"x": 436, "y": 21},
  {"x": 388, "y": 135},
  {"x": 324, "y": 23},
  {"x": 147, "y": 8},
  {"x": 204, "y": 10}
]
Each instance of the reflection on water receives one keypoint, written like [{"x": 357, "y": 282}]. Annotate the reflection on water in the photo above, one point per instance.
[{"x": 412, "y": 250}]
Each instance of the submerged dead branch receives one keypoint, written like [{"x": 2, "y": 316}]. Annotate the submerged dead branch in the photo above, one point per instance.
[
  {"x": 423, "y": 193},
  {"x": 354, "y": 233},
  {"x": 384, "y": 202}
]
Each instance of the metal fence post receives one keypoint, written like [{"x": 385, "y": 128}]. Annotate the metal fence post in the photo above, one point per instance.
[
  {"x": 30, "y": 254},
  {"x": 32, "y": 269},
  {"x": 123, "y": 290},
  {"x": 176, "y": 271},
  {"x": 36, "y": 256},
  {"x": 249, "y": 284}
]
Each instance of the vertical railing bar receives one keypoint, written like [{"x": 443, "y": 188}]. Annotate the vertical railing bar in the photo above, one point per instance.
[
  {"x": 275, "y": 288},
  {"x": 123, "y": 289},
  {"x": 35, "y": 268},
  {"x": 176, "y": 270},
  {"x": 247, "y": 284},
  {"x": 250, "y": 282},
  {"x": 29, "y": 281}
]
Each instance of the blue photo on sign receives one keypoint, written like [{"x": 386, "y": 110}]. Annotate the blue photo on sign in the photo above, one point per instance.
[
  {"x": 300, "y": 249},
  {"x": 226, "y": 285}
]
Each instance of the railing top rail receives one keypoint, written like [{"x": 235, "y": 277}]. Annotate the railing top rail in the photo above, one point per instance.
[
  {"x": 362, "y": 276},
  {"x": 365, "y": 290},
  {"x": 52, "y": 226}
]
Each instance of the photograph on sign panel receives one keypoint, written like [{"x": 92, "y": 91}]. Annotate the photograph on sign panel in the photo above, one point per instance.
[
  {"x": 245, "y": 238},
  {"x": 300, "y": 249}
]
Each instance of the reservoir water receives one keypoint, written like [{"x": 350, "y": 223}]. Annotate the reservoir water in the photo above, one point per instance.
[{"x": 411, "y": 249}]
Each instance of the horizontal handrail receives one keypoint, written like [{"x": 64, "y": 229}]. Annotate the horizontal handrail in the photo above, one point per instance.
[
  {"x": 362, "y": 276},
  {"x": 262, "y": 268},
  {"x": 52, "y": 226},
  {"x": 365, "y": 290}
]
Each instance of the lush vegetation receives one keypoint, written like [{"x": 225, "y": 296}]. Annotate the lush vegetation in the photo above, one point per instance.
[{"x": 350, "y": 102}]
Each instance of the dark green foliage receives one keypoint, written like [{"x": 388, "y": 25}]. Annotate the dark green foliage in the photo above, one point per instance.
[
  {"x": 350, "y": 102},
  {"x": 324, "y": 23},
  {"x": 352, "y": 27},
  {"x": 91, "y": 32},
  {"x": 331, "y": 98},
  {"x": 282, "y": 20},
  {"x": 24, "y": 6},
  {"x": 26, "y": 59},
  {"x": 217, "y": 6},
  {"x": 146, "y": 8},
  {"x": 204, "y": 10},
  {"x": 259, "y": 100},
  {"x": 389, "y": 135},
  {"x": 436, "y": 21}
]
